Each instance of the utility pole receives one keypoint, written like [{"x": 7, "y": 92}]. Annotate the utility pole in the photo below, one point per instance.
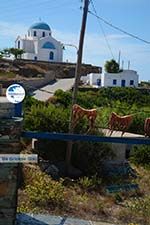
[
  {"x": 77, "y": 79},
  {"x": 128, "y": 64},
  {"x": 119, "y": 58}
]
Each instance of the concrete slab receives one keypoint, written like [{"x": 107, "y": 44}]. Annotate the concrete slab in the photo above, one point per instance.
[
  {"x": 41, "y": 219},
  {"x": 119, "y": 133},
  {"x": 46, "y": 92},
  {"x": 101, "y": 223}
]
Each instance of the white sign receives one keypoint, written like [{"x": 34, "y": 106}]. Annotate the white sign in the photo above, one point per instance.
[
  {"x": 18, "y": 158},
  {"x": 15, "y": 93}
]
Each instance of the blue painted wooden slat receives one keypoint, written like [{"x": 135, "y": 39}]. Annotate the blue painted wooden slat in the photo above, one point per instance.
[
  {"x": 123, "y": 187},
  {"x": 79, "y": 137},
  {"x": 18, "y": 110}
]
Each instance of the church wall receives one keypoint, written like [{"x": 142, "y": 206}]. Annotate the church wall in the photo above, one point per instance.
[
  {"x": 60, "y": 53},
  {"x": 28, "y": 46},
  {"x": 33, "y": 46},
  {"x": 29, "y": 56},
  {"x": 39, "y": 33},
  {"x": 43, "y": 54},
  {"x": 16, "y": 43}
]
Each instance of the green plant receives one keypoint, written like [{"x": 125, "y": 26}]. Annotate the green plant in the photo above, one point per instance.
[
  {"x": 87, "y": 182},
  {"x": 44, "y": 191},
  {"x": 111, "y": 66},
  {"x": 88, "y": 156},
  {"x": 140, "y": 207},
  {"x": 14, "y": 51},
  {"x": 141, "y": 155},
  {"x": 7, "y": 75},
  {"x": 63, "y": 97},
  {"x": 46, "y": 118}
]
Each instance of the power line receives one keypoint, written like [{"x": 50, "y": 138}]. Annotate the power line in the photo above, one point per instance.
[
  {"x": 119, "y": 29},
  {"x": 106, "y": 39}
]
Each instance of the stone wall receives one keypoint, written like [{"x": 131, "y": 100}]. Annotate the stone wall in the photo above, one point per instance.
[
  {"x": 32, "y": 83},
  {"x": 30, "y": 68},
  {"x": 10, "y": 131}
]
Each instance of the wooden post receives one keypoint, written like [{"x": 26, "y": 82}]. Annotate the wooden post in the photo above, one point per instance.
[{"x": 77, "y": 78}]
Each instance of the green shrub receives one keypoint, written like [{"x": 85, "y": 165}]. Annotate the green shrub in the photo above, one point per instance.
[
  {"x": 91, "y": 182},
  {"x": 63, "y": 97},
  {"x": 47, "y": 118},
  {"x": 44, "y": 191},
  {"x": 111, "y": 66},
  {"x": 89, "y": 156},
  {"x": 141, "y": 155},
  {"x": 140, "y": 209},
  {"x": 121, "y": 108}
]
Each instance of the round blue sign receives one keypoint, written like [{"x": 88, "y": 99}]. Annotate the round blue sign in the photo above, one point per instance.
[{"x": 15, "y": 93}]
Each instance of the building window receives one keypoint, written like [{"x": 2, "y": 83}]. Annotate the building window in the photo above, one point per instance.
[
  {"x": 18, "y": 44},
  {"x": 131, "y": 82},
  {"x": 98, "y": 82},
  {"x": 34, "y": 33},
  {"x": 51, "y": 55},
  {"x": 114, "y": 82},
  {"x": 35, "y": 58},
  {"x": 43, "y": 34},
  {"x": 49, "y": 34},
  {"x": 49, "y": 45}
]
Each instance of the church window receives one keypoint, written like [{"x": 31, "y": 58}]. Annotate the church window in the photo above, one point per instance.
[
  {"x": 131, "y": 82},
  {"x": 114, "y": 82},
  {"x": 48, "y": 45},
  {"x": 34, "y": 33},
  {"x": 18, "y": 44},
  {"x": 43, "y": 34},
  {"x": 51, "y": 55}
]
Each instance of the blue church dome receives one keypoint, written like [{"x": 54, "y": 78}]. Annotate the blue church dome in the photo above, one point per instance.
[{"x": 41, "y": 26}]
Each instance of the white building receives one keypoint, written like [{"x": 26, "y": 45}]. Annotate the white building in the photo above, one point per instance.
[
  {"x": 39, "y": 44},
  {"x": 126, "y": 78}
]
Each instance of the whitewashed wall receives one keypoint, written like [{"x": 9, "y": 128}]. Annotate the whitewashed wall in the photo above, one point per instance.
[
  {"x": 107, "y": 79},
  {"x": 33, "y": 46},
  {"x": 93, "y": 78},
  {"x": 127, "y": 75}
]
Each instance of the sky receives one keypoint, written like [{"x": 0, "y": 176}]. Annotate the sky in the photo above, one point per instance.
[{"x": 64, "y": 18}]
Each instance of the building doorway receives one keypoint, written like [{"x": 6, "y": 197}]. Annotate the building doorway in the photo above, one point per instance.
[
  {"x": 123, "y": 83},
  {"x": 51, "y": 55}
]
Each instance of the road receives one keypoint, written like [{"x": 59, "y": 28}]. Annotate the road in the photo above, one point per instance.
[{"x": 43, "y": 94}]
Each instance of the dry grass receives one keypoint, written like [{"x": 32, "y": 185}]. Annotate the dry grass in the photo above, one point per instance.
[
  {"x": 7, "y": 75},
  {"x": 94, "y": 203},
  {"x": 35, "y": 67}
]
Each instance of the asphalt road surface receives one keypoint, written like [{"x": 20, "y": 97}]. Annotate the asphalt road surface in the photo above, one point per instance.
[{"x": 43, "y": 94}]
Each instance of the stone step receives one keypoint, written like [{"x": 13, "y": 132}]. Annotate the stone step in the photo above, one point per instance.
[{"x": 7, "y": 109}]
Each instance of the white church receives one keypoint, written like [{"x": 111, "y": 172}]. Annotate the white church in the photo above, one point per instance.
[{"x": 39, "y": 44}]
